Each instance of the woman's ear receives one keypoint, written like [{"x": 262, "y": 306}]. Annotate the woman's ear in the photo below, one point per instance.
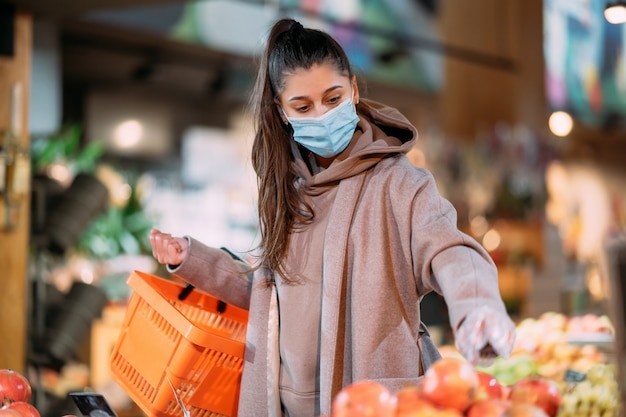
[{"x": 355, "y": 88}]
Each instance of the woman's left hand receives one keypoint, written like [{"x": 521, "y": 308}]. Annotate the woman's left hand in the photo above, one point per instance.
[{"x": 485, "y": 334}]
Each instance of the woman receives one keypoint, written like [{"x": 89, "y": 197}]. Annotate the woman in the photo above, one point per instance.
[{"x": 352, "y": 236}]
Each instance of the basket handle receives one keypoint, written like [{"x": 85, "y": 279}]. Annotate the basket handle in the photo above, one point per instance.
[
  {"x": 221, "y": 305},
  {"x": 184, "y": 293}
]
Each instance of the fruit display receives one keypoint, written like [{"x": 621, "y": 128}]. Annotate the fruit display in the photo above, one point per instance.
[
  {"x": 554, "y": 344},
  {"x": 451, "y": 387},
  {"x": 596, "y": 395},
  {"x": 557, "y": 369},
  {"x": 15, "y": 393}
]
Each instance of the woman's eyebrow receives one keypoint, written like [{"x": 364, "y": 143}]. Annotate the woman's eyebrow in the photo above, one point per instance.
[{"x": 328, "y": 90}]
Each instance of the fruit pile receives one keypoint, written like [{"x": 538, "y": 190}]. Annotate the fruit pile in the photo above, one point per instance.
[
  {"x": 451, "y": 387},
  {"x": 15, "y": 392},
  {"x": 597, "y": 394},
  {"x": 544, "y": 347}
]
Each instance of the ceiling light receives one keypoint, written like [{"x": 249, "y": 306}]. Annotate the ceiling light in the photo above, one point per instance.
[
  {"x": 616, "y": 12},
  {"x": 560, "y": 123}
]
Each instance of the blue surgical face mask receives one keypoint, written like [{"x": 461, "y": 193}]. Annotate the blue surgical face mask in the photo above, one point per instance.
[{"x": 329, "y": 134}]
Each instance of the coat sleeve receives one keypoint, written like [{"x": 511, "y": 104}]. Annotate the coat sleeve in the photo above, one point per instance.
[
  {"x": 447, "y": 260},
  {"x": 215, "y": 272}
]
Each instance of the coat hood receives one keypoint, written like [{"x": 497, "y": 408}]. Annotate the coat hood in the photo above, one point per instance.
[{"x": 381, "y": 132}]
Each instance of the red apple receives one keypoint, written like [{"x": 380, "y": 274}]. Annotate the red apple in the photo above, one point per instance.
[
  {"x": 410, "y": 403},
  {"x": 13, "y": 387},
  {"x": 506, "y": 392},
  {"x": 488, "y": 386},
  {"x": 525, "y": 410},
  {"x": 25, "y": 409},
  {"x": 539, "y": 391},
  {"x": 6, "y": 412},
  {"x": 362, "y": 399},
  {"x": 490, "y": 407},
  {"x": 444, "y": 412},
  {"x": 450, "y": 383}
]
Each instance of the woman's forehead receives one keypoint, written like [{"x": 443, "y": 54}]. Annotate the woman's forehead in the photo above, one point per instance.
[{"x": 312, "y": 82}]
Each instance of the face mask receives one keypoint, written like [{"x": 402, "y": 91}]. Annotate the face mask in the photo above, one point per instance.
[{"x": 329, "y": 134}]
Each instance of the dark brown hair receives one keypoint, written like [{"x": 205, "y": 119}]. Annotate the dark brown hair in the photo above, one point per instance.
[{"x": 281, "y": 203}]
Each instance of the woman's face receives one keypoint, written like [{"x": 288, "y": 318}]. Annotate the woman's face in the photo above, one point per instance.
[{"x": 312, "y": 92}]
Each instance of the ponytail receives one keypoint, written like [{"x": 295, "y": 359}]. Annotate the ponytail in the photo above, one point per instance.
[{"x": 281, "y": 204}]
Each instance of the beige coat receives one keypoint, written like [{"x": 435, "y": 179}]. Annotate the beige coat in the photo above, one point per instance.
[{"x": 391, "y": 239}]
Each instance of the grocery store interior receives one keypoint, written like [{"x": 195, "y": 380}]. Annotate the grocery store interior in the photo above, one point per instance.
[{"x": 123, "y": 115}]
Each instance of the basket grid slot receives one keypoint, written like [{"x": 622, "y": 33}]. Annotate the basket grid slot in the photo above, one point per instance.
[
  {"x": 161, "y": 323},
  {"x": 206, "y": 363},
  {"x": 212, "y": 320},
  {"x": 198, "y": 315},
  {"x": 134, "y": 378},
  {"x": 173, "y": 409}
]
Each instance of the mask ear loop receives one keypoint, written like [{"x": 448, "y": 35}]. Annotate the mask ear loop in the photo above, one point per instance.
[
  {"x": 282, "y": 114},
  {"x": 355, "y": 101},
  {"x": 354, "y": 90}
]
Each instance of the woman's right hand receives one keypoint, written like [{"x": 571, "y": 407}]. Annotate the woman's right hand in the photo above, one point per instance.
[{"x": 167, "y": 249}]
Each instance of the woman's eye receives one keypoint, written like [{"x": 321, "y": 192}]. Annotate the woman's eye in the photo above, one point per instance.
[
  {"x": 334, "y": 100},
  {"x": 302, "y": 109}
]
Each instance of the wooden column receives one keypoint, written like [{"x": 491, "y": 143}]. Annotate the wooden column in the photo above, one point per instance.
[
  {"x": 15, "y": 70},
  {"x": 481, "y": 86}
]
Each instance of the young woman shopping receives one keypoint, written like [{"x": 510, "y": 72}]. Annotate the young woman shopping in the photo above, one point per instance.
[{"x": 352, "y": 236}]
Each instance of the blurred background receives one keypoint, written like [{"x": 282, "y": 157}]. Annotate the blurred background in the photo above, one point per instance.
[{"x": 121, "y": 115}]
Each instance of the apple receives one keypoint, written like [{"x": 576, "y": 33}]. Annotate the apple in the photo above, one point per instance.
[
  {"x": 410, "y": 403},
  {"x": 539, "y": 391},
  {"x": 362, "y": 399},
  {"x": 25, "y": 409},
  {"x": 13, "y": 387},
  {"x": 490, "y": 407},
  {"x": 525, "y": 410},
  {"x": 444, "y": 412},
  {"x": 450, "y": 383},
  {"x": 488, "y": 386},
  {"x": 7, "y": 412}
]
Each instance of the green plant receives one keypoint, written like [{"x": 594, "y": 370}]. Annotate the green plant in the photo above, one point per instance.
[
  {"x": 120, "y": 230},
  {"x": 65, "y": 146}
]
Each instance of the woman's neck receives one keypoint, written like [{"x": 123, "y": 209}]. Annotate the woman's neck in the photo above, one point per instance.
[{"x": 323, "y": 162}]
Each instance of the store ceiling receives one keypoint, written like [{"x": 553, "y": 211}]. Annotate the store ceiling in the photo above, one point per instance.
[
  {"x": 100, "y": 53},
  {"x": 63, "y": 9}
]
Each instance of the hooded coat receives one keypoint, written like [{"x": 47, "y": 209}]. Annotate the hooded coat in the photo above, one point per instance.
[{"x": 391, "y": 238}]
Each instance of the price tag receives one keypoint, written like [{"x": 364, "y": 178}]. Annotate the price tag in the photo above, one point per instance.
[{"x": 574, "y": 376}]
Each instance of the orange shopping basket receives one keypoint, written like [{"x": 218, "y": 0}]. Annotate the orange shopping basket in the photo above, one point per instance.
[{"x": 193, "y": 345}]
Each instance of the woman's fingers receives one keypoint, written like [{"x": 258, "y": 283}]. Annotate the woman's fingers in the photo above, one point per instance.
[{"x": 165, "y": 248}]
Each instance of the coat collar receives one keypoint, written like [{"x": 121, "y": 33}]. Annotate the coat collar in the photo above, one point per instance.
[{"x": 333, "y": 285}]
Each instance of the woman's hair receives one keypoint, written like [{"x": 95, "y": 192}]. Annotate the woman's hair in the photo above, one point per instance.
[{"x": 281, "y": 203}]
